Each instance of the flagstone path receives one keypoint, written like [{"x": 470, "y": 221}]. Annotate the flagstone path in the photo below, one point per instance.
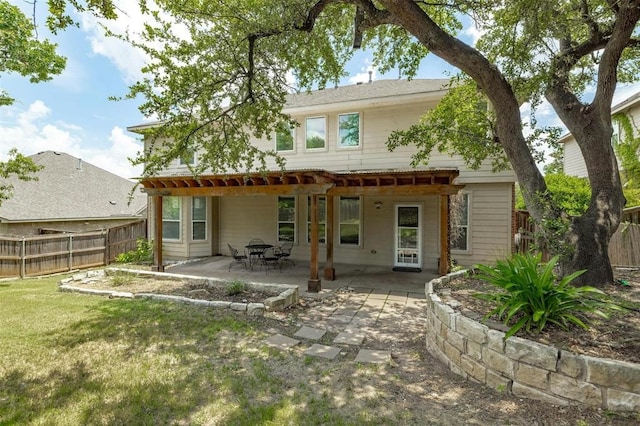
[{"x": 358, "y": 317}]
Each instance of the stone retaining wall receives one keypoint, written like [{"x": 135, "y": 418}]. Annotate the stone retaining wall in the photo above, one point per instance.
[
  {"x": 284, "y": 295},
  {"x": 524, "y": 368}
]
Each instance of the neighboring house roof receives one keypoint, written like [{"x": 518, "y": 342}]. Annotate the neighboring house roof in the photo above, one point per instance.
[
  {"x": 377, "y": 93},
  {"x": 70, "y": 189}
]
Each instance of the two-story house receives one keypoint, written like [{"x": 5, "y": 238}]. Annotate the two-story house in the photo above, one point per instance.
[{"x": 344, "y": 197}]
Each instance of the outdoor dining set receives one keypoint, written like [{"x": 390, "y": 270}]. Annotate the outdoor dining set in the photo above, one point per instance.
[{"x": 265, "y": 255}]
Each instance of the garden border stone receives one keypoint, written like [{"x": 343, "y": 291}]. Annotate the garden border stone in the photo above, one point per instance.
[
  {"x": 285, "y": 295},
  {"x": 522, "y": 367}
]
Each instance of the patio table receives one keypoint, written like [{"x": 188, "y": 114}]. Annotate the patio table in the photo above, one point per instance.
[{"x": 255, "y": 252}]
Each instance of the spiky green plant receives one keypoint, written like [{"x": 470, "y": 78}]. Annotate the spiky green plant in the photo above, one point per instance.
[{"x": 534, "y": 297}]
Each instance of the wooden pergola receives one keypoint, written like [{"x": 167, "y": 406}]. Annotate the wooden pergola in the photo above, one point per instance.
[{"x": 314, "y": 183}]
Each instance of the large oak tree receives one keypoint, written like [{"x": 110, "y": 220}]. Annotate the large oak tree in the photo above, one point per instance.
[{"x": 218, "y": 69}]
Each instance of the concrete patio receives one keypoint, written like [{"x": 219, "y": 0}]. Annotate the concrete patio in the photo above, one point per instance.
[{"x": 378, "y": 279}]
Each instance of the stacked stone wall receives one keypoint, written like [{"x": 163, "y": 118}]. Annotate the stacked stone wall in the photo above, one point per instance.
[{"x": 525, "y": 368}]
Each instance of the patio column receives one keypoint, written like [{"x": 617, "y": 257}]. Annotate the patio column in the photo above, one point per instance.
[
  {"x": 314, "y": 284},
  {"x": 157, "y": 243},
  {"x": 443, "y": 266},
  {"x": 329, "y": 270}
]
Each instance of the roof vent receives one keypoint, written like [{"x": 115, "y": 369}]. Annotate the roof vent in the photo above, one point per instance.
[
  {"x": 370, "y": 74},
  {"x": 79, "y": 164}
]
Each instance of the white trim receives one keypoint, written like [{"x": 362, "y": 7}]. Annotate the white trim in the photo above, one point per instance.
[
  {"x": 360, "y": 213},
  {"x": 179, "y": 220},
  {"x": 355, "y": 147},
  {"x": 293, "y": 136},
  {"x": 326, "y": 135},
  {"x": 418, "y": 251},
  {"x": 469, "y": 224},
  {"x": 206, "y": 222}
]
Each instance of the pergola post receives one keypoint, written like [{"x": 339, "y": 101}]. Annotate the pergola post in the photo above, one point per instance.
[
  {"x": 314, "y": 284},
  {"x": 329, "y": 270},
  {"x": 157, "y": 243},
  {"x": 445, "y": 260}
]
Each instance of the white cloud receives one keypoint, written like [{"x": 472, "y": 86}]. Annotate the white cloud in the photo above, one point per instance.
[
  {"x": 31, "y": 132},
  {"x": 128, "y": 59}
]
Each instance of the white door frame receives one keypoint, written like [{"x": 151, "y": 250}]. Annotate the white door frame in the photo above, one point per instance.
[{"x": 407, "y": 237}]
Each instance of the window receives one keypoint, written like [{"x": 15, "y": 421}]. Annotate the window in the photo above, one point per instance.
[
  {"x": 187, "y": 158},
  {"x": 615, "y": 137},
  {"x": 316, "y": 133},
  {"x": 199, "y": 218},
  {"x": 286, "y": 218},
  {"x": 460, "y": 222},
  {"x": 350, "y": 220},
  {"x": 348, "y": 130},
  {"x": 171, "y": 218},
  {"x": 285, "y": 137},
  {"x": 322, "y": 214}
]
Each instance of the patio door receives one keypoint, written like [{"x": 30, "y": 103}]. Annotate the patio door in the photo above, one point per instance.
[{"x": 408, "y": 241}]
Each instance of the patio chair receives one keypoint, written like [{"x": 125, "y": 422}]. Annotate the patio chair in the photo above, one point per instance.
[
  {"x": 270, "y": 259},
  {"x": 255, "y": 251},
  {"x": 238, "y": 258},
  {"x": 284, "y": 252}
]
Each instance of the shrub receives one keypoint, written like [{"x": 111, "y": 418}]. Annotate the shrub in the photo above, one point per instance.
[
  {"x": 532, "y": 296},
  {"x": 234, "y": 287},
  {"x": 142, "y": 254}
]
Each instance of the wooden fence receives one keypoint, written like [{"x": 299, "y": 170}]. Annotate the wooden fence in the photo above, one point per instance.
[
  {"x": 624, "y": 247},
  {"x": 48, "y": 254}
]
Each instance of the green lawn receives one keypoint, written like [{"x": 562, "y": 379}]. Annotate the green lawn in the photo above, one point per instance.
[{"x": 72, "y": 359}]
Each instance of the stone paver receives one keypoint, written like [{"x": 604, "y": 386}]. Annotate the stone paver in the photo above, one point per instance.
[
  {"x": 310, "y": 333},
  {"x": 349, "y": 337},
  {"x": 373, "y": 356},
  {"x": 349, "y": 312},
  {"x": 322, "y": 351},
  {"x": 281, "y": 342}
]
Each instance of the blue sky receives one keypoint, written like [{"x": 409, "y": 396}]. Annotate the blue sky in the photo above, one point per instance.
[{"x": 72, "y": 112}]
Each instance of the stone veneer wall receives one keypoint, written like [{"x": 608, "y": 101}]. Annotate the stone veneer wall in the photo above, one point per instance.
[{"x": 524, "y": 368}]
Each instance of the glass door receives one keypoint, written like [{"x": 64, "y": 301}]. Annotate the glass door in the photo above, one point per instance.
[{"x": 408, "y": 250}]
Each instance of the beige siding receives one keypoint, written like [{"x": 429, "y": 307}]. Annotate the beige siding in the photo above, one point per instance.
[
  {"x": 376, "y": 126},
  {"x": 573, "y": 161},
  {"x": 184, "y": 247},
  {"x": 489, "y": 224}
]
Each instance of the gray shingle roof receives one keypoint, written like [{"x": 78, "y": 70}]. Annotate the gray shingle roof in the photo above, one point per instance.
[
  {"x": 68, "y": 188},
  {"x": 379, "y": 89}
]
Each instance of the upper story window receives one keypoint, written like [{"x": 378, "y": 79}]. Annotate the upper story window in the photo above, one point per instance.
[
  {"x": 199, "y": 218},
  {"x": 350, "y": 221},
  {"x": 460, "y": 222},
  {"x": 187, "y": 158},
  {"x": 322, "y": 214},
  {"x": 286, "y": 218},
  {"x": 285, "y": 138},
  {"x": 171, "y": 216},
  {"x": 316, "y": 133},
  {"x": 349, "y": 130}
]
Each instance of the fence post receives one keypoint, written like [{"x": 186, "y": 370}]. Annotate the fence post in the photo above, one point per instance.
[
  {"x": 70, "y": 252},
  {"x": 23, "y": 259},
  {"x": 107, "y": 246}
]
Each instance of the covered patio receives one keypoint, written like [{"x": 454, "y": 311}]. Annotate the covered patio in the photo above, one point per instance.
[
  {"x": 351, "y": 276},
  {"x": 315, "y": 184}
]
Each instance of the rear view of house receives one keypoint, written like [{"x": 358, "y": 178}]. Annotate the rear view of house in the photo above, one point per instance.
[{"x": 344, "y": 197}]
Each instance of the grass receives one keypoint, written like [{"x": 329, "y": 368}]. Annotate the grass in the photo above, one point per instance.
[{"x": 69, "y": 358}]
